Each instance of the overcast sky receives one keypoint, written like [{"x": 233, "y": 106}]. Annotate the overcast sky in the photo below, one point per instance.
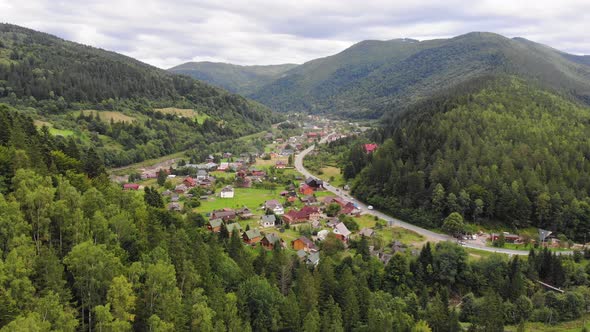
[{"x": 165, "y": 33}]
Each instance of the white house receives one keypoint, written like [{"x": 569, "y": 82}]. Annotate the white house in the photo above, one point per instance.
[
  {"x": 275, "y": 206},
  {"x": 227, "y": 192},
  {"x": 268, "y": 221}
]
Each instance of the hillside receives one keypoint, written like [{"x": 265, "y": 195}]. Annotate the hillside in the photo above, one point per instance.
[
  {"x": 238, "y": 79},
  {"x": 376, "y": 77},
  {"x": 80, "y": 254},
  {"x": 35, "y": 64},
  {"x": 507, "y": 152},
  {"x": 53, "y": 80}
]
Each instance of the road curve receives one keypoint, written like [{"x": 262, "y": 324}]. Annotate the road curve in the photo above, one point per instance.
[{"x": 396, "y": 222}]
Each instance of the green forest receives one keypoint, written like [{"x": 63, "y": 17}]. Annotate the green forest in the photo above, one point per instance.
[
  {"x": 80, "y": 254},
  {"x": 53, "y": 80},
  {"x": 509, "y": 152}
]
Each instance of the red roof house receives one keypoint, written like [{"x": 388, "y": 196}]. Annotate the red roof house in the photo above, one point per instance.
[
  {"x": 130, "y": 186},
  {"x": 369, "y": 148},
  {"x": 189, "y": 182},
  {"x": 307, "y": 213},
  {"x": 306, "y": 190}
]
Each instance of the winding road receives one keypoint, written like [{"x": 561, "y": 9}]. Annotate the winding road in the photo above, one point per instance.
[{"x": 429, "y": 235}]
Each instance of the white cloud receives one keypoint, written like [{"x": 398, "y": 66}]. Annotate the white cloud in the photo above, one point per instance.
[{"x": 167, "y": 33}]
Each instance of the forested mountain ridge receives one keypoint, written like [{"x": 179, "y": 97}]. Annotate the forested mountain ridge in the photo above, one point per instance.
[
  {"x": 372, "y": 78},
  {"x": 238, "y": 79},
  {"x": 508, "y": 152},
  {"x": 53, "y": 80},
  {"x": 42, "y": 66}
]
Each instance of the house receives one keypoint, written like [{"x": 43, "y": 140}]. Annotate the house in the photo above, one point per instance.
[
  {"x": 174, "y": 206},
  {"x": 309, "y": 258},
  {"x": 211, "y": 166},
  {"x": 174, "y": 198},
  {"x": 332, "y": 222},
  {"x": 323, "y": 234},
  {"x": 316, "y": 224},
  {"x": 314, "y": 183},
  {"x": 268, "y": 220},
  {"x": 224, "y": 214},
  {"x": 202, "y": 174},
  {"x": 244, "y": 213},
  {"x": 275, "y": 206},
  {"x": 270, "y": 240},
  {"x": 306, "y": 190},
  {"x": 369, "y": 148},
  {"x": 214, "y": 225},
  {"x": 292, "y": 199},
  {"x": 280, "y": 164},
  {"x": 227, "y": 155},
  {"x": 189, "y": 182},
  {"x": 223, "y": 167},
  {"x": 307, "y": 213},
  {"x": 367, "y": 232},
  {"x": 309, "y": 199},
  {"x": 180, "y": 189},
  {"x": 227, "y": 192},
  {"x": 257, "y": 172},
  {"x": 130, "y": 186},
  {"x": 167, "y": 192},
  {"x": 209, "y": 159},
  {"x": 304, "y": 244},
  {"x": 252, "y": 236},
  {"x": 342, "y": 232},
  {"x": 230, "y": 227},
  {"x": 346, "y": 207},
  {"x": 313, "y": 135},
  {"x": 510, "y": 238},
  {"x": 206, "y": 183},
  {"x": 313, "y": 258}
]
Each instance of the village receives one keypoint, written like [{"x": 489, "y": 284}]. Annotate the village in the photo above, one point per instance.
[{"x": 261, "y": 198}]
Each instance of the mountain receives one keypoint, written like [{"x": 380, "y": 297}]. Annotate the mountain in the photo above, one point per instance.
[
  {"x": 42, "y": 66},
  {"x": 128, "y": 110},
  {"x": 238, "y": 79},
  {"x": 500, "y": 151},
  {"x": 376, "y": 77}
]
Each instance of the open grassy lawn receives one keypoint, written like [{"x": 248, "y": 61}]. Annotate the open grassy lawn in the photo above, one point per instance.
[
  {"x": 571, "y": 326},
  {"x": 525, "y": 247},
  {"x": 52, "y": 130},
  {"x": 184, "y": 112},
  {"x": 223, "y": 175},
  {"x": 269, "y": 163},
  {"x": 329, "y": 172},
  {"x": 149, "y": 162},
  {"x": 250, "y": 197},
  {"x": 106, "y": 116},
  {"x": 390, "y": 234}
]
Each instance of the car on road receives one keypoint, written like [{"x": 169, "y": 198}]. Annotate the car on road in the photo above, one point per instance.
[{"x": 370, "y": 207}]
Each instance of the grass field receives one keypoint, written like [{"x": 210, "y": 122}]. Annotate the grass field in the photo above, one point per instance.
[
  {"x": 330, "y": 171},
  {"x": 269, "y": 163},
  {"x": 184, "y": 112},
  {"x": 571, "y": 326},
  {"x": 106, "y": 116},
  {"x": 390, "y": 234},
  {"x": 249, "y": 197},
  {"x": 52, "y": 130}
]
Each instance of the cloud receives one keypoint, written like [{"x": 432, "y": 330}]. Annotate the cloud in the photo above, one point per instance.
[{"x": 167, "y": 33}]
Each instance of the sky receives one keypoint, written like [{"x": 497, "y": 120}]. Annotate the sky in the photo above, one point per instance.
[{"x": 165, "y": 33}]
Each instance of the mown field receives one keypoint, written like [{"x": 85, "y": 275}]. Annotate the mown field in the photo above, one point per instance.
[
  {"x": 184, "y": 112},
  {"x": 107, "y": 116}
]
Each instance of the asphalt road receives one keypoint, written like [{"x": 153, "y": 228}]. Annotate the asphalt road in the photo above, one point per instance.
[{"x": 431, "y": 236}]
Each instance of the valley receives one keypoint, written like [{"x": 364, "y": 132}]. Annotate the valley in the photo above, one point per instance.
[{"x": 398, "y": 185}]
